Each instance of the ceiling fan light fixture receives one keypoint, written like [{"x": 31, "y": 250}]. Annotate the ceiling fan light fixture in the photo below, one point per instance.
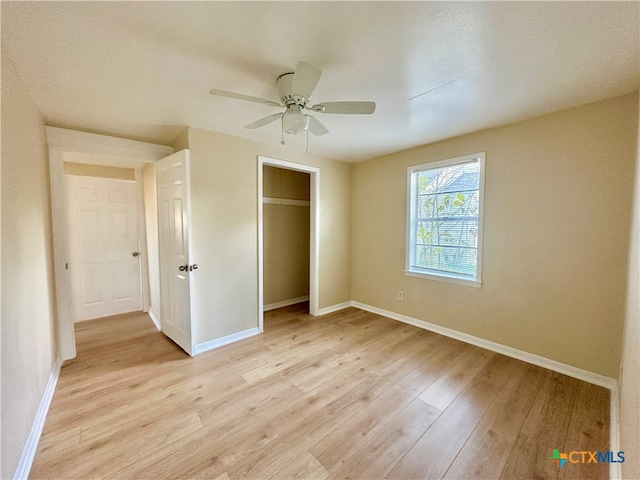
[
  {"x": 294, "y": 123},
  {"x": 295, "y": 89}
]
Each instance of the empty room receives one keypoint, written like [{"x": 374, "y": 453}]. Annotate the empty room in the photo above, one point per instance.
[{"x": 320, "y": 240}]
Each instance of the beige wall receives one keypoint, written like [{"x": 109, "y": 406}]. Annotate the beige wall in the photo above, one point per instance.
[
  {"x": 182, "y": 141},
  {"x": 630, "y": 366},
  {"x": 556, "y": 234},
  {"x": 286, "y": 236},
  {"x": 28, "y": 300},
  {"x": 103, "y": 171},
  {"x": 224, "y": 229}
]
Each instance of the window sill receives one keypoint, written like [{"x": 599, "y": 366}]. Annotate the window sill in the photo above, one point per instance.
[{"x": 444, "y": 278}]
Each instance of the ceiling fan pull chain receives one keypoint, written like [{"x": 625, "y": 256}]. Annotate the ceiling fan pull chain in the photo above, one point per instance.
[
  {"x": 307, "y": 131},
  {"x": 282, "y": 130}
]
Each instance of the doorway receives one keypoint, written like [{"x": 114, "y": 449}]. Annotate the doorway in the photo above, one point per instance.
[
  {"x": 285, "y": 210},
  {"x": 288, "y": 203},
  {"x": 98, "y": 151}
]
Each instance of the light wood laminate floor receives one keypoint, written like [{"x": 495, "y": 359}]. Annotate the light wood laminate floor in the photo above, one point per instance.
[{"x": 348, "y": 395}]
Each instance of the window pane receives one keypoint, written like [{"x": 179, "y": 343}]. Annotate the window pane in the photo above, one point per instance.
[
  {"x": 447, "y": 259},
  {"x": 444, "y": 218}
]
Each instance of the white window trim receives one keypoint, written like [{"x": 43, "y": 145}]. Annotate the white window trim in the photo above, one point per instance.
[{"x": 443, "y": 276}]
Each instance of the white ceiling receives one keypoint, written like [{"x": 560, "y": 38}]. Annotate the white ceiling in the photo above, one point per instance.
[{"x": 435, "y": 69}]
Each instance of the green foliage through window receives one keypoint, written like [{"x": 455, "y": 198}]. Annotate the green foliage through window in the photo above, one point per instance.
[{"x": 444, "y": 218}]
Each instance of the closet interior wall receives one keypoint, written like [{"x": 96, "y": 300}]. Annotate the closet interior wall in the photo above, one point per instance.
[{"x": 286, "y": 236}]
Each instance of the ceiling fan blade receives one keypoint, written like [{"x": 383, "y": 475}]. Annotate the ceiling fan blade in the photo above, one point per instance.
[
  {"x": 264, "y": 121},
  {"x": 345, "y": 107},
  {"x": 305, "y": 79},
  {"x": 239, "y": 96},
  {"x": 316, "y": 127}
]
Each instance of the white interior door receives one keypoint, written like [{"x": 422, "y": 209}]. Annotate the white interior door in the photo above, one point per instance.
[
  {"x": 104, "y": 239},
  {"x": 172, "y": 178}
]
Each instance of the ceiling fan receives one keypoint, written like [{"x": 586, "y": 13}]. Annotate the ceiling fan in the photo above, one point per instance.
[{"x": 295, "y": 89}]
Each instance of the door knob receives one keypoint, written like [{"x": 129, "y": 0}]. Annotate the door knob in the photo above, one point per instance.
[
  {"x": 188, "y": 268},
  {"x": 136, "y": 254}
]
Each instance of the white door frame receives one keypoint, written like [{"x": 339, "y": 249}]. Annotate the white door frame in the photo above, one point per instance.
[
  {"x": 314, "y": 227},
  {"x": 62, "y": 141}
]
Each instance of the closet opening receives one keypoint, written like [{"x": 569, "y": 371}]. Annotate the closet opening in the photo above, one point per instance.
[{"x": 287, "y": 237}]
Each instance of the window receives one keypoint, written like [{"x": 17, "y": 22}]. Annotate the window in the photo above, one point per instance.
[{"x": 444, "y": 233}]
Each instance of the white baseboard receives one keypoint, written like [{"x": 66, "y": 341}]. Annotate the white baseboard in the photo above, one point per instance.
[
  {"x": 220, "y": 342},
  {"x": 615, "y": 470},
  {"x": 569, "y": 370},
  {"x": 31, "y": 446},
  {"x": 156, "y": 319},
  {"x": 334, "y": 308},
  {"x": 284, "y": 303}
]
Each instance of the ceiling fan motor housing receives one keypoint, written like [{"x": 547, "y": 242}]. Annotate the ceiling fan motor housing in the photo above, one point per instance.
[
  {"x": 284, "y": 83},
  {"x": 295, "y": 90}
]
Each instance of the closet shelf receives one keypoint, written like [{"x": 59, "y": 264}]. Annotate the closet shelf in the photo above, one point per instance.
[{"x": 285, "y": 201}]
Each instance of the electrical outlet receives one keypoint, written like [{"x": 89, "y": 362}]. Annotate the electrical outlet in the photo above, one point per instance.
[{"x": 400, "y": 295}]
